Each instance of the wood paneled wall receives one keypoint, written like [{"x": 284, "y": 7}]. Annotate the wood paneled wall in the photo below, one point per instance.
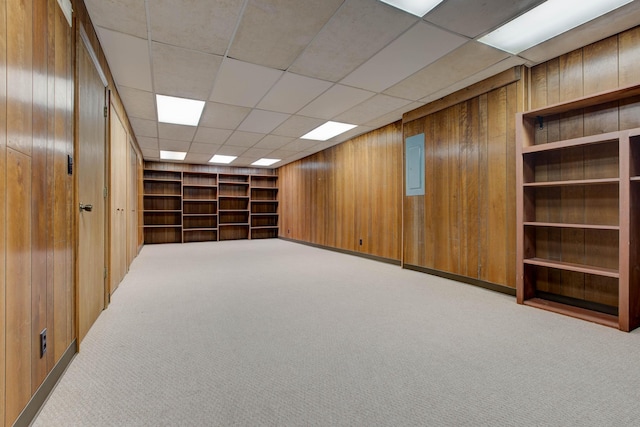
[
  {"x": 37, "y": 237},
  {"x": 36, "y": 247},
  {"x": 465, "y": 222},
  {"x": 608, "y": 64},
  {"x": 347, "y": 194}
]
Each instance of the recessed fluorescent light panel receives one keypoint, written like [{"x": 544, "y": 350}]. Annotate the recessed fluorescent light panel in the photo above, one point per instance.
[
  {"x": 172, "y": 155},
  {"x": 546, "y": 21},
  {"x": 328, "y": 131},
  {"x": 265, "y": 162},
  {"x": 218, "y": 158},
  {"x": 414, "y": 7},
  {"x": 179, "y": 111}
]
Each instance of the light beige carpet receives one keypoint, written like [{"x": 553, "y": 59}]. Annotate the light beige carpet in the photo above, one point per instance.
[{"x": 273, "y": 333}]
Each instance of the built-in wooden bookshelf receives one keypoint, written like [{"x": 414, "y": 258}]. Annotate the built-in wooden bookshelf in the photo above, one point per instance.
[
  {"x": 195, "y": 203},
  {"x": 577, "y": 222}
]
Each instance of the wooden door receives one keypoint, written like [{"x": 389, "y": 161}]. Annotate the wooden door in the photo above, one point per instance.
[
  {"x": 91, "y": 185},
  {"x": 118, "y": 201},
  {"x": 132, "y": 205}
]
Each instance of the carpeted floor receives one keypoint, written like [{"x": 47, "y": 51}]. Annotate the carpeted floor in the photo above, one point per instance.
[{"x": 273, "y": 333}]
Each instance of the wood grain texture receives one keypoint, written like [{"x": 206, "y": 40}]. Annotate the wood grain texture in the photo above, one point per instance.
[
  {"x": 3, "y": 199},
  {"x": 117, "y": 200},
  {"x": 40, "y": 191},
  {"x": 18, "y": 284},
  {"x": 497, "y": 181},
  {"x": 19, "y": 75},
  {"x": 346, "y": 193},
  {"x": 629, "y": 57},
  {"x": 63, "y": 279},
  {"x": 91, "y": 181},
  {"x": 601, "y": 66}
]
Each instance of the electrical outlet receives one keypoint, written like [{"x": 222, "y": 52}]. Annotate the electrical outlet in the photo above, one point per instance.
[
  {"x": 43, "y": 342},
  {"x": 360, "y": 242}
]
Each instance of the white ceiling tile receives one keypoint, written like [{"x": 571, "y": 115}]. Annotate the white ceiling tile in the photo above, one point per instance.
[
  {"x": 273, "y": 142},
  {"x": 128, "y": 58},
  {"x": 199, "y": 148},
  {"x": 296, "y": 126},
  {"x": 297, "y": 156},
  {"x": 392, "y": 116},
  {"x": 221, "y": 116},
  {"x": 150, "y": 153},
  {"x": 243, "y": 84},
  {"x": 197, "y": 158},
  {"x": 357, "y": 31},
  {"x": 206, "y": 26},
  {"x": 473, "y": 18},
  {"x": 146, "y": 142},
  {"x": 351, "y": 133},
  {"x": 125, "y": 16},
  {"x": 183, "y": 72},
  {"x": 258, "y": 153},
  {"x": 167, "y": 144},
  {"x": 614, "y": 22},
  {"x": 274, "y": 32},
  {"x": 501, "y": 66},
  {"x": 292, "y": 92},
  {"x": 300, "y": 145},
  {"x": 230, "y": 150},
  {"x": 282, "y": 154},
  {"x": 415, "y": 49},
  {"x": 243, "y": 162},
  {"x": 143, "y": 127},
  {"x": 335, "y": 101},
  {"x": 371, "y": 109},
  {"x": 244, "y": 139},
  {"x": 176, "y": 132},
  {"x": 261, "y": 121},
  {"x": 138, "y": 103},
  {"x": 463, "y": 62},
  {"x": 212, "y": 136}
]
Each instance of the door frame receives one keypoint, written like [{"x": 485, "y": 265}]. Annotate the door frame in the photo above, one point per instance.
[{"x": 81, "y": 38}]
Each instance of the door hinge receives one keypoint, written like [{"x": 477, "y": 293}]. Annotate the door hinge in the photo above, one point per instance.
[
  {"x": 104, "y": 192},
  {"x": 106, "y": 111},
  {"x": 105, "y": 272}
]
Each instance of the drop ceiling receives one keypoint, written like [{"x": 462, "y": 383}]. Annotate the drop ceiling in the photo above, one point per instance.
[{"x": 272, "y": 70}]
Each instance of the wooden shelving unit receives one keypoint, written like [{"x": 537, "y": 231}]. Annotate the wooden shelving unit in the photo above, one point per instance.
[
  {"x": 264, "y": 206},
  {"x": 576, "y": 208},
  {"x": 199, "y": 205}
]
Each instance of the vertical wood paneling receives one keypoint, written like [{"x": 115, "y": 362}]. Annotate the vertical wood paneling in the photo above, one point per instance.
[
  {"x": 18, "y": 286},
  {"x": 19, "y": 75},
  {"x": 3, "y": 199},
  {"x": 496, "y": 191},
  {"x": 483, "y": 187},
  {"x": 62, "y": 262},
  {"x": 39, "y": 191},
  {"x": 629, "y": 57},
  {"x": 470, "y": 150},
  {"x": 441, "y": 215},
  {"x": 571, "y": 76},
  {"x": 601, "y": 66},
  {"x": 348, "y": 192},
  {"x": 512, "y": 109}
]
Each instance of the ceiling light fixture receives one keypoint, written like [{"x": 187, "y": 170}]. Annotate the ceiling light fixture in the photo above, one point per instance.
[
  {"x": 328, "y": 131},
  {"x": 172, "y": 155},
  {"x": 179, "y": 111},
  {"x": 546, "y": 21},
  {"x": 219, "y": 158},
  {"x": 415, "y": 7},
  {"x": 265, "y": 162}
]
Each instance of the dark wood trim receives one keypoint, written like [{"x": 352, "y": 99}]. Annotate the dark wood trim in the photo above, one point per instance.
[
  {"x": 344, "y": 251},
  {"x": 468, "y": 280},
  {"x": 499, "y": 80},
  {"x": 38, "y": 400}
]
